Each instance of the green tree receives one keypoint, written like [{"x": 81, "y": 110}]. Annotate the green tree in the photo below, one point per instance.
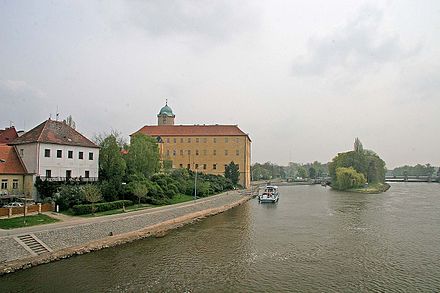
[
  {"x": 92, "y": 194},
  {"x": 232, "y": 172},
  {"x": 138, "y": 189},
  {"x": 347, "y": 178},
  {"x": 312, "y": 172},
  {"x": 143, "y": 155},
  {"x": 301, "y": 172},
  {"x": 111, "y": 163},
  {"x": 69, "y": 121}
]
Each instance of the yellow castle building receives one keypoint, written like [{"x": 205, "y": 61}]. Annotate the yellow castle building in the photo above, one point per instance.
[{"x": 202, "y": 148}]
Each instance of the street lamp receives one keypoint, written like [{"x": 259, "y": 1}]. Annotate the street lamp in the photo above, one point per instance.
[
  {"x": 195, "y": 185},
  {"x": 123, "y": 197}
]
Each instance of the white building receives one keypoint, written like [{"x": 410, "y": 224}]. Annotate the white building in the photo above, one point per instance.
[{"x": 55, "y": 151}]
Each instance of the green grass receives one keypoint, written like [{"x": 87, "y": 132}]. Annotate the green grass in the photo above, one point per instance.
[
  {"x": 30, "y": 221},
  {"x": 372, "y": 188},
  {"x": 181, "y": 198}
]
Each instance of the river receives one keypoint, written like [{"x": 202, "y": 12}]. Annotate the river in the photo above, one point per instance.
[{"x": 313, "y": 240}]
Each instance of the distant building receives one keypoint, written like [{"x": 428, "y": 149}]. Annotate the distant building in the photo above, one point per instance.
[
  {"x": 57, "y": 152},
  {"x": 14, "y": 178},
  {"x": 205, "y": 148}
]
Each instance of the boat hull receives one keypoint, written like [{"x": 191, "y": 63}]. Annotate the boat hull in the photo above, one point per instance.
[{"x": 268, "y": 200}]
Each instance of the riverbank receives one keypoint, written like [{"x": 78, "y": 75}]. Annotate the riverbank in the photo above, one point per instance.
[
  {"x": 65, "y": 239},
  {"x": 372, "y": 189}
]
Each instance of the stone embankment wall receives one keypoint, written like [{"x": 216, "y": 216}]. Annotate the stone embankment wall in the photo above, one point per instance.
[{"x": 112, "y": 230}]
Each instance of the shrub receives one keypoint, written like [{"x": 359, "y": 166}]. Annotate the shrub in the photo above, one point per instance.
[
  {"x": 68, "y": 196},
  {"x": 347, "y": 178},
  {"x": 83, "y": 209}
]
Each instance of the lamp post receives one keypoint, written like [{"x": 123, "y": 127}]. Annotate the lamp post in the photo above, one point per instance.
[
  {"x": 123, "y": 197},
  {"x": 195, "y": 185}
]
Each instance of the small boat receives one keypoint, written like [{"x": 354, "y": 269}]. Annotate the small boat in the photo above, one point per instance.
[{"x": 270, "y": 194}]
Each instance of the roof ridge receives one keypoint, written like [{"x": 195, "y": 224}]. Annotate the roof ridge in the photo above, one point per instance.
[{"x": 41, "y": 132}]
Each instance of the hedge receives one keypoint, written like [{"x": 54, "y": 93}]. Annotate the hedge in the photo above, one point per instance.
[{"x": 83, "y": 209}]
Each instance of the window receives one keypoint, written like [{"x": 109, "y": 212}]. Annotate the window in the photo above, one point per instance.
[
  {"x": 86, "y": 174},
  {"x": 214, "y": 139},
  {"x": 21, "y": 152},
  {"x": 181, "y": 152},
  {"x": 48, "y": 173},
  {"x": 226, "y": 139},
  {"x": 68, "y": 173},
  {"x": 238, "y": 167},
  {"x": 59, "y": 153},
  {"x": 175, "y": 140},
  {"x": 70, "y": 154},
  {"x": 168, "y": 153},
  {"x": 205, "y": 140},
  {"x": 181, "y": 165},
  {"x": 197, "y": 152},
  {"x": 226, "y": 167},
  {"x": 174, "y": 152},
  {"x": 80, "y": 155},
  {"x": 237, "y": 152},
  {"x": 204, "y": 152},
  {"x": 197, "y": 166},
  {"x": 15, "y": 184},
  {"x": 90, "y": 156},
  {"x": 189, "y": 139},
  {"x": 226, "y": 152},
  {"x": 214, "y": 166},
  {"x": 47, "y": 153},
  {"x": 189, "y": 152},
  {"x": 204, "y": 166},
  {"x": 214, "y": 152},
  {"x": 4, "y": 183},
  {"x": 197, "y": 140},
  {"x": 188, "y": 166},
  {"x": 168, "y": 140},
  {"x": 181, "y": 140}
]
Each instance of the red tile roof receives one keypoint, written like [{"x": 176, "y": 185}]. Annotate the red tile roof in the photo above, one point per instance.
[
  {"x": 10, "y": 163},
  {"x": 8, "y": 135},
  {"x": 55, "y": 132},
  {"x": 191, "y": 130}
]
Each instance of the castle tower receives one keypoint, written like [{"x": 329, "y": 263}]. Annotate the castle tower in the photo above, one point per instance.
[{"x": 165, "y": 116}]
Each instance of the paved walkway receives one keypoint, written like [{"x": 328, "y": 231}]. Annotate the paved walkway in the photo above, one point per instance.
[{"x": 73, "y": 231}]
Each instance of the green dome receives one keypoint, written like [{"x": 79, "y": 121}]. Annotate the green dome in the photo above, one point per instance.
[{"x": 166, "y": 111}]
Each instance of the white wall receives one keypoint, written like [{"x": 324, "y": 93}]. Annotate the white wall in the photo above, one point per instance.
[
  {"x": 28, "y": 153},
  {"x": 58, "y": 166}
]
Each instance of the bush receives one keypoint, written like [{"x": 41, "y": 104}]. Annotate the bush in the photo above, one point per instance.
[
  {"x": 83, "y": 209},
  {"x": 68, "y": 196},
  {"x": 347, "y": 178}
]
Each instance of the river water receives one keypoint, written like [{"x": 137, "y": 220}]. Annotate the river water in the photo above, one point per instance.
[{"x": 313, "y": 240}]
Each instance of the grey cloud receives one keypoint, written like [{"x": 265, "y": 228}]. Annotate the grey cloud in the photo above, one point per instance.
[
  {"x": 19, "y": 99},
  {"x": 359, "y": 45},
  {"x": 207, "y": 19}
]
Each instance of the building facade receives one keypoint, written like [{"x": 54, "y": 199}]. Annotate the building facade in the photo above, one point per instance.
[
  {"x": 14, "y": 178},
  {"x": 55, "y": 151},
  {"x": 205, "y": 148}
]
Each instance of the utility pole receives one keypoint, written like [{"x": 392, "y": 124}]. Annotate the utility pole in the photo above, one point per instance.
[{"x": 195, "y": 186}]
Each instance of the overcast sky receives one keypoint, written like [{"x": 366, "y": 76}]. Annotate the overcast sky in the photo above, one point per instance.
[{"x": 303, "y": 78}]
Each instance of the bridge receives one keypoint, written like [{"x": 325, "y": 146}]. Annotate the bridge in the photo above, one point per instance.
[{"x": 412, "y": 178}]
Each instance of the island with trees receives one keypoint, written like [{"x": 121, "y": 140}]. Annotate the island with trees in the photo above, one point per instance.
[{"x": 358, "y": 170}]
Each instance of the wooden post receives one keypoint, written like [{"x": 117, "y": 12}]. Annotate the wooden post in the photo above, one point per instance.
[
  {"x": 39, "y": 208},
  {"x": 9, "y": 212}
]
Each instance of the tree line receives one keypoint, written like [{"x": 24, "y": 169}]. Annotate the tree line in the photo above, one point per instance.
[{"x": 268, "y": 170}]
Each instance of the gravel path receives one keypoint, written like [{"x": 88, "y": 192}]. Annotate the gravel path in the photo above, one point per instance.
[{"x": 74, "y": 232}]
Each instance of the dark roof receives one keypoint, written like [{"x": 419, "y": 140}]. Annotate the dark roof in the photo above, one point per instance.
[
  {"x": 10, "y": 163},
  {"x": 191, "y": 130},
  {"x": 7, "y": 135},
  {"x": 55, "y": 132}
]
